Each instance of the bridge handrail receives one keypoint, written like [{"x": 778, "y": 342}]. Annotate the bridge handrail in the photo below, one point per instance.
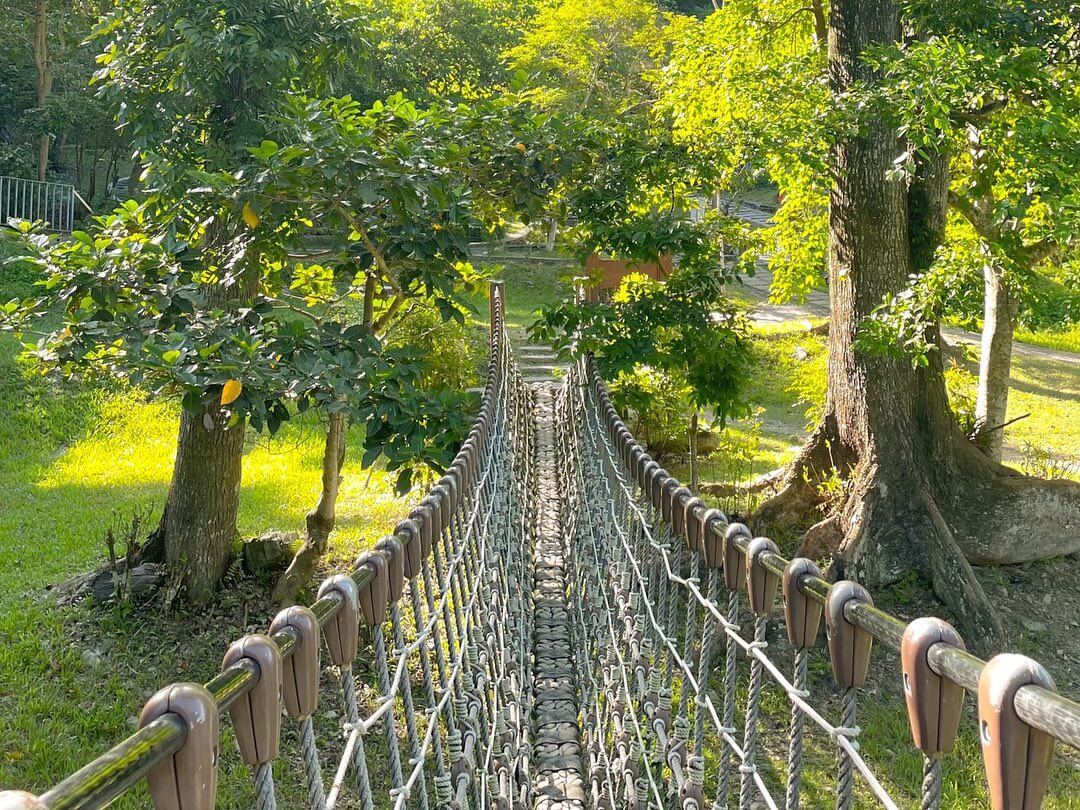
[
  {"x": 125, "y": 765},
  {"x": 1038, "y": 707}
]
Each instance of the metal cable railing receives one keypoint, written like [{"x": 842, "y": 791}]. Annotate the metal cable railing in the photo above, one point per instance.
[
  {"x": 651, "y": 561},
  {"x": 38, "y": 201},
  {"x": 444, "y": 598}
]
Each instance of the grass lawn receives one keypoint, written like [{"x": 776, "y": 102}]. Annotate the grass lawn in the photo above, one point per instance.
[
  {"x": 74, "y": 463},
  {"x": 1066, "y": 340}
]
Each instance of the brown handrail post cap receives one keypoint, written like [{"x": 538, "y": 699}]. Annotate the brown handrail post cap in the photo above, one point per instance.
[
  {"x": 300, "y": 676},
  {"x": 1017, "y": 756},
  {"x": 667, "y": 498},
  {"x": 188, "y": 779},
  {"x": 679, "y": 497},
  {"x": 375, "y": 595},
  {"x": 734, "y": 561},
  {"x": 408, "y": 533},
  {"x": 802, "y": 615},
  {"x": 693, "y": 515},
  {"x": 342, "y": 632},
  {"x": 761, "y": 582},
  {"x": 256, "y": 716},
  {"x": 19, "y": 800},
  {"x": 713, "y": 526},
  {"x": 934, "y": 703},
  {"x": 849, "y": 646},
  {"x": 659, "y": 476},
  {"x": 395, "y": 565}
]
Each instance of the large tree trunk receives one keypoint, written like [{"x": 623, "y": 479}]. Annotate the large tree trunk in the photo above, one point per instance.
[
  {"x": 918, "y": 495},
  {"x": 995, "y": 361},
  {"x": 199, "y": 522},
  {"x": 198, "y": 525},
  {"x": 43, "y": 67},
  {"x": 885, "y": 423},
  {"x": 320, "y": 520}
]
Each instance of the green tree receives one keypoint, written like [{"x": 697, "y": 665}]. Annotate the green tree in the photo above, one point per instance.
[
  {"x": 990, "y": 86},
  {"x": 917, "y": 493},
  {"x": 591, "y": 56},
  {"x": 630, "y": 191},
  {"x": 683, "y": 328},
  {"x": 995, "y": 89},
  {"x": 373, "y": 206},
  {"x": 442, "y": 48},
  {"x": 37, "y": 36}
]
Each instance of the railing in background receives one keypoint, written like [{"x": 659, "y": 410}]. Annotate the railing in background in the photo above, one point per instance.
[
  {"x": 34, "y": 200},
  {"x": 644, "y": 547},
  {"x": 442, "y": 596}
]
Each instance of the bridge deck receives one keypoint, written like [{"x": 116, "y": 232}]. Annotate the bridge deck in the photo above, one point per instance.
[{"x": 558, "y": 782}]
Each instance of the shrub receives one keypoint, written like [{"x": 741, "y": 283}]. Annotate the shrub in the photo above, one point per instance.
[
  {"x": 657, "y": 408},
  {"x": 452, "y": 353}
]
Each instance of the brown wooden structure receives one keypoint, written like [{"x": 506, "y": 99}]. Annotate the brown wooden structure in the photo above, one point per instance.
[{"x": 610, "y": 273}]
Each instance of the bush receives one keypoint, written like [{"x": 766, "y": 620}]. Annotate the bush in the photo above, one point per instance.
[
  {"x": 657, "y": 409},
  {"x": 16, "y": 278},
  {"x": 452, "y": 353}
]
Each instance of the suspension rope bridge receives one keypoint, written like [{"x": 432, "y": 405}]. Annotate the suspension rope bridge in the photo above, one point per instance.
[{"x": 560, "y": 624}]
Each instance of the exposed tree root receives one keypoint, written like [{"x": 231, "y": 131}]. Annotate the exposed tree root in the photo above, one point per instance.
[
  {"x": 1000, "y": 516},
  {"x": 825, "y": 535},
  {"x": 798, "y": 495},
  {"x": 770, "y": 480},
  {"x": 893, "y": 525},
  {"x": 955, "y": 584}
]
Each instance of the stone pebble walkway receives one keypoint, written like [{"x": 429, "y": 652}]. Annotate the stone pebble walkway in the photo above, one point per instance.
[{"x": 557, "y": 780}]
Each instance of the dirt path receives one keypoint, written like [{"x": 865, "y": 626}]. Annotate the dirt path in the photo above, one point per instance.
[{"x": 817, "y": 306}]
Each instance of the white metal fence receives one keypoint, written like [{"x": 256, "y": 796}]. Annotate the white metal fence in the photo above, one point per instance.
[{"x": 53, "y": 203}]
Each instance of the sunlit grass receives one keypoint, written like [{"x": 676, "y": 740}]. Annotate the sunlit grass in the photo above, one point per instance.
[
  {"x": 1065, "y": 340},
  {"x": 75, "y": 461},
  {"x": 1044, "y": 399}
]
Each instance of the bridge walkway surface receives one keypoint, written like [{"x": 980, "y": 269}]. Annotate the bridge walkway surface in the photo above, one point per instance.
[{"x": 559, "y": 784}]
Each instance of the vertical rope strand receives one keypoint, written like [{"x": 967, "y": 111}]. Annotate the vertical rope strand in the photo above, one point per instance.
[
  {"x": 753, "y": 698},
  {"x": 795, "y": 742},
  {"x": 264, "y": 787},
  {"x": 843, "y": 773},
  {"x": 931, "y": 784},
  {"x": 360, "y": 765},
  {"x": 730, "y": 663},
  {"x": 312, "y": 769},
  {"x": 407, "y": 700}
]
